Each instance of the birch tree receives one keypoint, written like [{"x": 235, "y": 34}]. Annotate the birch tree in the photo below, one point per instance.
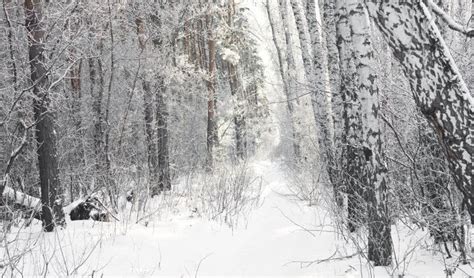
[
  {"x": 437, "y": 86},
  {"x": 375, "y": 175},
  {"x": 319, "y": 80},
  {"x": 351, "y": 139},
  {"x": 283, "y": 69}
]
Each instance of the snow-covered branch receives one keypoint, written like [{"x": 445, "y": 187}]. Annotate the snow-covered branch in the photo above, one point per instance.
[
  {"x": 21, "y": 199},
  {"x": 469, "y": 32}
]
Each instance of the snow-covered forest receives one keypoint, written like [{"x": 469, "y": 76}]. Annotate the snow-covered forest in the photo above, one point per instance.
[{"x": 188, "y": 138}]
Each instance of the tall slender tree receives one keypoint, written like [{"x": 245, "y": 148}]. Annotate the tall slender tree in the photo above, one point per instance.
[
  {"x": 375, "y": 180},
  {"x": 148, "y": 104},
  {"x": 319, "y": 78},
  {"x": 44, "y": 117},
  {"x": 211, "y": 83},
  {"x": 287, "y": 88},
  {"x": 352, "y": 135}
]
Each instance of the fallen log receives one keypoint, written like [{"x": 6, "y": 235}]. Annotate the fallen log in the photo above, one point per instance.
[
  {"x": 89, "y": 209},
  {"x": 13, "y": 200}
]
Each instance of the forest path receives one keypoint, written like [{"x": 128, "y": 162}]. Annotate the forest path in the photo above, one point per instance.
[
  {"x": 273, "y": 237},
  {"x": 279, "y": 233},
  {"x": 270, "y": 242}
]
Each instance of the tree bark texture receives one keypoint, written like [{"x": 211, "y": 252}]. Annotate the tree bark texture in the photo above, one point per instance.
[
  {"x": 376, "y": 172},
  {"x": 211, "y": 87},
  {"x": 45, "y": 118},
  {"x": 437, "y": 86},
  {"x": 351, "y": 140},
  {"x": 289, "y": 94},
  {"x": 322, "y": 95}
]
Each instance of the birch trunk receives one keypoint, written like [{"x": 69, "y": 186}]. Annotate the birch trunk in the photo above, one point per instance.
[
  {"x": 291, "y": 78},
  {"x": 321, "y": 96},
  {"x": 352, "y": 164},
  {"x": 375, "y": 178},
  {"x": 329, "y": 36},
  {"x": 437, "y": 86},
  {"x": 304, "y": 37},
  {"x": 282, "y": 63}
]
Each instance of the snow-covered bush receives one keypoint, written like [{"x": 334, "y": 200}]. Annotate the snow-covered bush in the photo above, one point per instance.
[{"x": 229, "y": 194}]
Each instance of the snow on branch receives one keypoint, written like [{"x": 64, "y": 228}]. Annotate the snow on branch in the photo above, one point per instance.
[
  {"x": 21, "y": 199},
  {"x": 469, "y": 32}
]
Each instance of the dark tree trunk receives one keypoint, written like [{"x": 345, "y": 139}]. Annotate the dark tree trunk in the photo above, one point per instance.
[
  {"x": 148, "y": 103},
  {"x": 150, "y": 137},
  {"x": 164, "y": 179},
  {"x": 238, "y": 94},
  {"x": 96, "y": 76},
  {"x": 211, "y": 87},
  {"x": 239, "y": 117},
  {"x": 45, "y": 118}
]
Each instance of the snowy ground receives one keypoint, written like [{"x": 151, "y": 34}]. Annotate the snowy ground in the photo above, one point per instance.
[
  {"x": 282, "y": 237},
  {"x": 185, "y": 245}
]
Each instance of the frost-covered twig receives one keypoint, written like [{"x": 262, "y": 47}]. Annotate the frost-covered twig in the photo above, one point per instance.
[
  {"x": 328, "y": 259},
  {"x": 293, "y": 222},
  {"x": 199, "y": 264}
]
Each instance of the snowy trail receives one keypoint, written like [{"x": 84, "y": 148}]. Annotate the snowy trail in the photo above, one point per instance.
[
  {"x": 186, "y": 247},
  {"x": 182, "y": 245}
]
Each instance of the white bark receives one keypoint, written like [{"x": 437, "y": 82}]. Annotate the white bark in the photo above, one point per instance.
[
  {"x": 375, "y": 169},
  {"x": 438, "y": 87},
  {"x": 352, "y": 163},
  {"x": 304, "y": 37},
  {"x": 283, "y": 66},
  {"x": 321, "y": 97}
]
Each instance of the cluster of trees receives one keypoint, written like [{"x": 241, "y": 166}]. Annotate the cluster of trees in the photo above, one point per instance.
[
  {"x": 92, "y": 89},
  {"x": 99, "y": 95},
  {"x": 386, "y": 163}
]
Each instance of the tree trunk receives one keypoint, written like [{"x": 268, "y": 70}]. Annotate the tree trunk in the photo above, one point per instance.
[
  {"x": 78, "y": 161},
  {"x": 96, "y": 76},
  {"x": 375, "y": 178},
  {"x": 238, "y": 93},
  {"x": 150, "y": 135},
  {"x": 351, "y": 139},
  {"x": 329, "y": 36},
  {"x": 164, "y": 179},
  {"x": 45, "y": 118},
  {"x": 109, "y": 181},
  {"x": 282, "y": 63},
  {"x": 211, "y": 87},
  {"x": 291, "y": 75},
  {"x": 322, "y": 95},
  {"x": 239, "y": 117},
  {"x": 437, "y": 86},
  {"x": 304, "y": 37}
]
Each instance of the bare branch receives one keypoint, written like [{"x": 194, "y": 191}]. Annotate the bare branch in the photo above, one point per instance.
[{"x": 469, "y": 32}]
